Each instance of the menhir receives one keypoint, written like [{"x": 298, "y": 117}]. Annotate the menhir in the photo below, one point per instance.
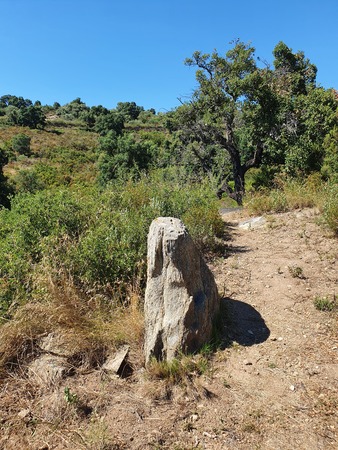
[{"x": 181, "y": 299}]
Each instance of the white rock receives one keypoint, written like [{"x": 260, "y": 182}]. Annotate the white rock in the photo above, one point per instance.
[
  {"x": 24, "y": 413},
  {"x": 255, "y": 222},
  {"x": 181, "y": 297},
  {"x": 48, "y": 369},
  {"x": 116, "y": 361}
]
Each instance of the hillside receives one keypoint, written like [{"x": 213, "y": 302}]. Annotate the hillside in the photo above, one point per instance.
[
  {"x": 272, "y": 385},
  {"x": 79, "y": 188}
]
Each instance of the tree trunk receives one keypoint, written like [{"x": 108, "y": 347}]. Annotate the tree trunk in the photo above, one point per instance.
[
  {"x": 238, "y": 172},
  {"x": 239, "y": 186}
]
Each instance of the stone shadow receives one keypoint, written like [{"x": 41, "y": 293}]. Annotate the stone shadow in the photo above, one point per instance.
[{"x": 242, "y": 323}]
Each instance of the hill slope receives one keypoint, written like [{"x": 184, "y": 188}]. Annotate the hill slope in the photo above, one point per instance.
[{"x": 272, "y": 387}]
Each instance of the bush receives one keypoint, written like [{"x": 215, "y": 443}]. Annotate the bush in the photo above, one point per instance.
[
  {"x": 299, "y": 194},
  {"x": 98, "y": 238},
  {"x": 21, "y": 144},
  {"x": 325, "y": 303},
  {"x": 290, "y": 194},
  {"x": 329, "y": 207}
]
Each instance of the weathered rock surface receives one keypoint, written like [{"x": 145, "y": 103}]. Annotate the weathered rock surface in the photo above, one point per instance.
[
  {"x": 48, "y": 369},
  {"x": 253, "y": 223},
  {"x": 115, "y": 363},
  {"x": 181, "y": 297},
  {"x": 57, "y": 344}
]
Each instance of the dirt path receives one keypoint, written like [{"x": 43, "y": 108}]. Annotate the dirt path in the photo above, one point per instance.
[
  {"x": 282, "y": 375},
  {"x": 274, "y": 387}
]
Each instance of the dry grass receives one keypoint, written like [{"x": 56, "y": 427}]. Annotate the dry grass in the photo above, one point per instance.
[
  {"x": 64, "y": 410},
  {"x": 89, "y": 326},
  {"x": 51, "y": 137}
]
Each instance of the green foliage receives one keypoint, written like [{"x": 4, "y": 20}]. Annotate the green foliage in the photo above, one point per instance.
[
  {"x": 292, "y": 194},
  {"x": 265, "y": 176},
  {"x": 98, "y": 238},
  {"x": 295, "y": 72},
  {"x": 60, "y": 166},
  {"x": 325, "y": 303},
  {"x": 315, "y": 115},
  {"x": 72, "y": 110},
  {"x": 233, "y": 107},
  {"x": 121, "y": 156},
  {"x": 129, "y": 110},
  {"x": 31, "y": 116},
  {"x": 329, "y": 207},
  {"x": 28, "y": 181},
  {"x": 111, "y": 122},
  {"x": 277, "y": 116},
  {"x": 180, "y": 369},
  {"x": 70, "y": 397},
  {"x": 12, "y": 100},
  {"x": 330, "y": 164},
  {"x": 89, "y": 116},
  {"x": 5, "y": 190},
  {"x": 21, "y": 144},
  {"x": 296, "y": 272}
]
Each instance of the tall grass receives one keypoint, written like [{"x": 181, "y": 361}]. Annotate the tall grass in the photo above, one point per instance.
[
  {"x": 88, "y": 328},
  {"x": 294, "y": 194},
  {"x": 329, "y": 207}
]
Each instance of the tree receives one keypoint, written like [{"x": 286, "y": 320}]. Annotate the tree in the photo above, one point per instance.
[
  {"x": 12, "y": 100},
  {"x": 5, "y": 190},
  {"x": 233, "y": 107},
  {"x": 123, "y": 155},
  {"x": 21, "y": 144},
  {"x": 112, "y": 121},
  {"x": 73, "y": 109},
  {"x": 255, "y": 113},
  {"x": 129, "y": 110},
  {"x": 330, "y": 163},
  {"x": 91, "y": 115},
  {"x": 294, "y": 72},
  {"x": 31, "y": 116},
  {"x": 314, "y": 115}
]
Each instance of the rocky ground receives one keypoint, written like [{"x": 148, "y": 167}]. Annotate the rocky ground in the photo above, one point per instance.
[{"x": 273, "y": 386}]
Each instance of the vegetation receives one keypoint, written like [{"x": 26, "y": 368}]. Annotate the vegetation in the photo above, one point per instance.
[
  {"x": 99, "y": 238},
  {"x": 300, "y": 193},
  {"x": 179, "y": 369},
  {"x": 325, "y": 303},
  {"x": 80, "y": 185},
  {"x": 247, "y": 114}
]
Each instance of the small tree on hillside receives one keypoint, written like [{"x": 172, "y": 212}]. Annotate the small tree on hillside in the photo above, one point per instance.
[
  {"x": 21, "y": 144},
  {"x": 121, "y": 156},
  {"x": 130, "y": 110}
]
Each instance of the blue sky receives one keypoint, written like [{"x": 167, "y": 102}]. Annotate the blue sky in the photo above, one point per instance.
[{"x": 106, "y": 51}]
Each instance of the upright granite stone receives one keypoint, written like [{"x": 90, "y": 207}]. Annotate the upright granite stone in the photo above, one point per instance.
[{"x": 181, "y": 297}]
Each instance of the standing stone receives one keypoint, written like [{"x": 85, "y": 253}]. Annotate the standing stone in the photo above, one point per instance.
[{"x": 181, "y": 297}]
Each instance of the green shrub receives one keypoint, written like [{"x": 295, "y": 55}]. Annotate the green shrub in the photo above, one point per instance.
[
  {"x": 97, "y": 238},
  {"x": 325, "y": 304},
  {"x": 264, "y": 201},
  {"x": 330, "y": 207},
  {"x": 180, "y": 369},
  {"x": 21, "y": 144}
]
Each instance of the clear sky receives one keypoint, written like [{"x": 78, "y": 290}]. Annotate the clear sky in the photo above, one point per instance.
[{"x": 106, "y": 51}]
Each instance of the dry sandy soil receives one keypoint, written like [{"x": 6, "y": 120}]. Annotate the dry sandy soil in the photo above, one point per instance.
[{"x": 273, "y": 386}]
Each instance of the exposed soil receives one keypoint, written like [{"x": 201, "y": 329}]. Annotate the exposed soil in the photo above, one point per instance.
[{"x": 274, "y": 386}]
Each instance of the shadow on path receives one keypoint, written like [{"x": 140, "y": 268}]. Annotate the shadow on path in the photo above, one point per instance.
[{"x": 243, "y": 323}]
